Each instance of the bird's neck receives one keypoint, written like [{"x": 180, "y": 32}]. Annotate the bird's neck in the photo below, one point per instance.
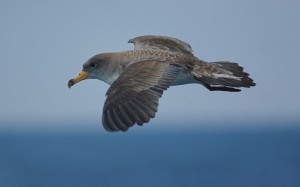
[{"x": 113, "y": 69}]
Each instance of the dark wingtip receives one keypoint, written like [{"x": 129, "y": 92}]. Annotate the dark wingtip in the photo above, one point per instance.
[{"x": 224, "y": 88}]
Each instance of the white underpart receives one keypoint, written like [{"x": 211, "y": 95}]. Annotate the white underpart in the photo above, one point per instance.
[
  {"x": 184, "y": 77},
  {"x": 226, "y": 76}
]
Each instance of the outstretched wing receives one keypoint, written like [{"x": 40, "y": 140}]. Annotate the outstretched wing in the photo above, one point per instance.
[
  {"x": 161, "y": 43},
  {"x": 133, "y": 97}
]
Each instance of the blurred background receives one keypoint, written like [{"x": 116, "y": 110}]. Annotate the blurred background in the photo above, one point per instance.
[{"x": 53, "y": 136}]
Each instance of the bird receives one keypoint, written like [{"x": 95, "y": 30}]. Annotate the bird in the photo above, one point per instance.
[{"x": 138, "y": 77}]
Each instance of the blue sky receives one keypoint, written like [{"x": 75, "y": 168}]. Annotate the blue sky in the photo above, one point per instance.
[{"x": 44, "y": 44}]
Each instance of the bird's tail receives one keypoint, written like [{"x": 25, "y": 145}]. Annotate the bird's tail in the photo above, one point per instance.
[{"x": 225, "y": 76}]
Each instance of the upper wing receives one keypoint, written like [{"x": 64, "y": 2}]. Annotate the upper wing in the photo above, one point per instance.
[
  {"x": 161, "y": 43},
  {"x": 133, "y": 97}
]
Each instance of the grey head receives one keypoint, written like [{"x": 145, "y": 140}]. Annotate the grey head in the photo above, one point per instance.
[{"x": 95, "y": 68}]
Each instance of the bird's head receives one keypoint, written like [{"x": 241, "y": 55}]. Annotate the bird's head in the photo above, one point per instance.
[{"x": 94, "y": 68}]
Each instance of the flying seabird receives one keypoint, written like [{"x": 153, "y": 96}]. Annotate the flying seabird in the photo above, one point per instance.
[{"x": 138, "y": 77}]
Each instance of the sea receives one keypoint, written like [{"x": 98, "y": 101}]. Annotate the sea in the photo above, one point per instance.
[{"x": 210, "y": 157}]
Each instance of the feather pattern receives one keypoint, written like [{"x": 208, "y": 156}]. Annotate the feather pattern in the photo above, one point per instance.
[
  {"x": 133, "y": 97},
  {"x": 161, "y": 43}
]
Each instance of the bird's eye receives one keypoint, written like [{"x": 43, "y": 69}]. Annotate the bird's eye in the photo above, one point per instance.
[{"x": 93, "y": 65}]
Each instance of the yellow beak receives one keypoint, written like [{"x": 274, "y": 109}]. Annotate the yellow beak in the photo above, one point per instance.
[{"x": 82, "y": 75}]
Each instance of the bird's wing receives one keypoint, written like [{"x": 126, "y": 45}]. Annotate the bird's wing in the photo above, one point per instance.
[
  {"x": 133, "y": 97},
  {"x": 161, "y": 43}
]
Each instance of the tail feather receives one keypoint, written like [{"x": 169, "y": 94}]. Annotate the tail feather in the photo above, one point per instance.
[{"x": 226, "y": 76}]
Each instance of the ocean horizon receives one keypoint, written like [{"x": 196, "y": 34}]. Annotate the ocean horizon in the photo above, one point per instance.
[{"x": 201, "y": 156}]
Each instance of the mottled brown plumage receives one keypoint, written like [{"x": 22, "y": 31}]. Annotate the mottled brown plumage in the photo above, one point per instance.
[{"x": 139, "y": 77}]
